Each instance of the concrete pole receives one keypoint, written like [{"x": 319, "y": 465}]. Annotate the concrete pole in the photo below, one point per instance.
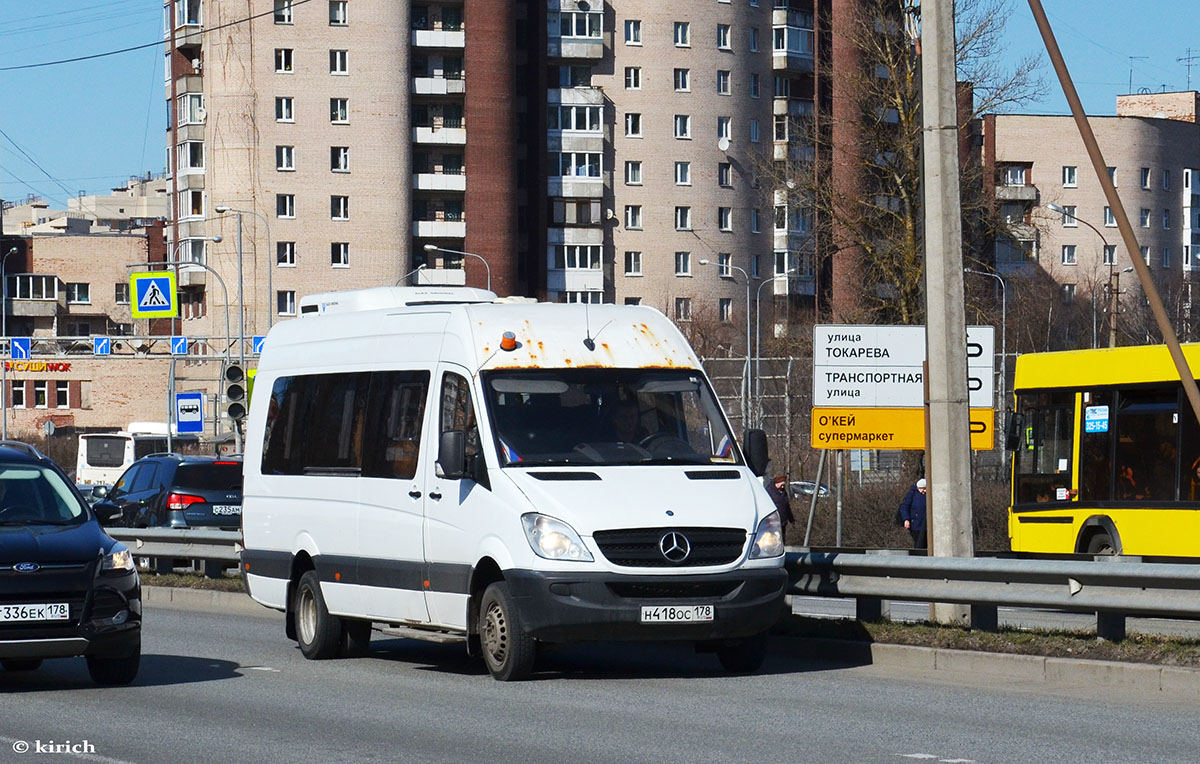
[
  {"x": 949, "y": 443},
  {"x": 241, "y": 300}
]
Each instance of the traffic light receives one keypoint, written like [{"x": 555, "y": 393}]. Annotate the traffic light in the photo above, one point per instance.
[{"x": 235, "y": 392}]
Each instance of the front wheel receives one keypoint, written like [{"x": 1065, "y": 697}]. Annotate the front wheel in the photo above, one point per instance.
[
  {"x": 744, "y": 656},
  {"x": 1101, "y": 544},
  {"x": 318, "y": 632},
  {"x": 508, "y": 650},
  {"x": 115, "y": 670}
]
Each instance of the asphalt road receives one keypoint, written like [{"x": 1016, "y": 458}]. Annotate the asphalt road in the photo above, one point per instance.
[{"x": 230, "y": 688}]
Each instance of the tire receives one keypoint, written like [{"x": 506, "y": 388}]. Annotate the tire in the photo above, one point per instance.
[
  {"x": 508, "y": 650},
  {"x": 744, "y": 656},
  {"x": 358, "y": 638},
  {"x": 1102, "y": 544},
  {"x": 21, "y": 664},
  {"x": 318, "y": 632},
  {"x": 115, "y": 670}
]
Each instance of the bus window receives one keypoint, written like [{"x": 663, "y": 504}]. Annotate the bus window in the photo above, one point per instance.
[
  {"x": 1095, "y": 447},
  {"x": 1043, "y": 461},
  {"x": 1189, "y": 439},
  {"x": 1146, "y": 457}
]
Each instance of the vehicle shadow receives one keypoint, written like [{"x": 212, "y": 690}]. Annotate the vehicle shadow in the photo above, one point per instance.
[{"x": 155, "y": 671}]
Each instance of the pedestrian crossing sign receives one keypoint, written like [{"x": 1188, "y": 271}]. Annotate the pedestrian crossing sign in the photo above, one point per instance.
[{"x": 153, "y": 295}]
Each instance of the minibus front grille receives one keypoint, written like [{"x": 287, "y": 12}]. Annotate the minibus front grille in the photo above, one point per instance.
[
  {"x": 643, "y": 547},
  {"x": 708, "y": 590},
  {"x": 713, "y": 474},
  {"x": 564, "y": 475}
]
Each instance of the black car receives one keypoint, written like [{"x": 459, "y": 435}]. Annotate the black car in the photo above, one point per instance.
[
  {"x": 176, "y": 491},
  {"x": 66, "y": 588}
]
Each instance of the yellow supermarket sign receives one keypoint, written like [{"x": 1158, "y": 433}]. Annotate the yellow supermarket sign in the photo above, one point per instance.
[{"x": 889, "y": 428}]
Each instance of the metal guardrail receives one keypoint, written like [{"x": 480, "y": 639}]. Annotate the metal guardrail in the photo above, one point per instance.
[{"x": 225, "y": 546}]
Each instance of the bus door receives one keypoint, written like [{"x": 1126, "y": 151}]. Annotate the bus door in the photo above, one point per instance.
[{"x": 1044, "y": 454}]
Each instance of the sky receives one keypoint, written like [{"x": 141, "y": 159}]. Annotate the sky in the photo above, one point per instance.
[{"x": 90, "y": 125}]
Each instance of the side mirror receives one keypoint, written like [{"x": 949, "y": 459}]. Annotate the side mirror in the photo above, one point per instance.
[
  {"x": 99, "y": 492},
  {"x": 105, "y": 512},
  {"x": 1013, "y": 431},
  {"x": 452, "y": 455},
  {"x": 755, "y": 444}
]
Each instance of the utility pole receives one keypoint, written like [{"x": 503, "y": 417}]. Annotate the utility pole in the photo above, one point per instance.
[
  {"x": 948, "y": 444},
  {"x": 1187, "y": 61}
]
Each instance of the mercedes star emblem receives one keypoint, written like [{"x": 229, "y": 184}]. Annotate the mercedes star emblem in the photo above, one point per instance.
[{"x": 674, "y": 546}]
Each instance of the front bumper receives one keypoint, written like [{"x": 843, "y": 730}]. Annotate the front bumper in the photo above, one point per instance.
[
  {"x": 106, "y": 620},
  {"x": 565, "y": 607}
]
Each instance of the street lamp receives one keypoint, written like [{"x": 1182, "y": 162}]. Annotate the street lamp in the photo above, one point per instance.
[
  {"x": 418, "y": 269},
  {"x": 746, "y": 389},
  {"x": 758, "y": 407},
  {"x": 1003, "y": 338},
  {"x": 222, "y": 209},
  {"x": 4, "y": 275},
  {"x": 436, "y": 248},
  {"x": 1112, "y": 313}
]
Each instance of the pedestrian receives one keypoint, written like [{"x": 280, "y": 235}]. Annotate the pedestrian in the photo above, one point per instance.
[
  {"x": 912, "y": 509},
  {"x": 777, "y": 488}
]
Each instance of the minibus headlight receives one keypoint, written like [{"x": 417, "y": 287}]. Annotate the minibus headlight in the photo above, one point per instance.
[
  {"x": 768, "y": 539},
  {"x": 118, "y": 559},
  {"x": 554, "y": 539}
]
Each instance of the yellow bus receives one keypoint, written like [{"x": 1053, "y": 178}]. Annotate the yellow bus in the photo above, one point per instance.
[{"x": 1106, "y": 454}]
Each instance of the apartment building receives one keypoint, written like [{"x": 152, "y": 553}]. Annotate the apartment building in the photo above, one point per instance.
[
  {"x": 1152, "y": 149},
  {"x": 571, "y": 150}
]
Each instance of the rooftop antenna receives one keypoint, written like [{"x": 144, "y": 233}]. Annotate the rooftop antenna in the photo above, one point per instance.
[
  {"x": 1187, "y": 61},
  {"x": 1131, "y": 60}
]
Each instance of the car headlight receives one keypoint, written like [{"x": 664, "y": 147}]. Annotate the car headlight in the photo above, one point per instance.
[
  {"x": 118, "y": 559},
  {"x": 768, "y": 539},
  {"x": 554, "y": 539}
]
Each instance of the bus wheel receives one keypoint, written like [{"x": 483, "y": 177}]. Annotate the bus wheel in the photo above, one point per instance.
[
  {"x": 508, "y": 650},
  {"x": 1101, "y": 543},
  {"x": 318, "y": 632}
]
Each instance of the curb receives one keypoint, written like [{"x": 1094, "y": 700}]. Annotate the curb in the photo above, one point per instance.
[{"x": 204, "y": 601}]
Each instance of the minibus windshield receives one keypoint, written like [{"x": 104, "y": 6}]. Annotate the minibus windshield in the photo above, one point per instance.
[{"x": 606, "y": 416}]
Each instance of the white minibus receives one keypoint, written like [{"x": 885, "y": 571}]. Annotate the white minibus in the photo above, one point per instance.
[
  {"x": 502, "y": 472},
  {"x": 104, "y": 456}
]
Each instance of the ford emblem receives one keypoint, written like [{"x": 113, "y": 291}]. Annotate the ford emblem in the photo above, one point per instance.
[{"x": 27, "y": 567}]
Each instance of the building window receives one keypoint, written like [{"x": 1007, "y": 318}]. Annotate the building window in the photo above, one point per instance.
[
  {"x": 283, "y": 11},
  {"x": 1166, "y": 219},
  {"x": 593, "y": 298},
  {"x": 725, "y": 218},
  {"x": 1112, "y": 175},
  {"x": 723, "y": 36},
  {"x": 339, "y": 158},
  {"x": 633, "y": 78},
  {"x": 1167, "y": 180},
  {"x": 1166, "y": 257},
  {"x": 683, "y": 81},
  {"x": 633, "y": 300},
  {"x": 191, "y": 203},
  {"x": 339, "y": 207},
  {"x": 683, "y": 263},
  {"x": 683, "y": 126},
  {"x": 633, "y": 173},
  {"x": 754, "y": 268},
  {"x": 725, "y": 309},
  {"x": 682, "y": 34},
  {"x": 584, "y": 119},
  {"x": 121, "y": 293},
  {"x": 191, "y": 157},
  {"x": 285, "y": 205},
  {"x": 1068, "y": 254},
  {"x": 1145, "y": 254},
  {"x": 633, "y": 32},
  {"x": 683, "y": 173},
  {"x": 633, "y": 125},
  {"x": 754, "y": 224},
  {"x": 339, "y": 62},
  {"x": 753, "y": 39},
  {"x": 725, "y": 127},
  {"x": 1145, "y": 177},
  {"x": 285, "y": 158},
  {"x": 339, "y": 111},
  {"x": 1109, "y": 220},
  {"x": 285, "y": 302},
  {"x": 683, "y": 309},
  {"x": 1068, "y": 294},
  {"x": 633, "y": 216},
  {"x": 79, "y": 292},
  {"x": 580, "y": 24},
  {"x": 753, "y": 85},
  {"x": 753, "y": 131},
  {"x": 683, "y": 218},
  {"x": 1014, "y": 175},
  {"x": 284, "y": 61},
  {"x": 1144, "y": 217},
  {"x": 1110, "y": 254},
  {"x": 285, "y": 254},
  {"x": 339, "y": 254},
  {"x": 781, "y": 127},
  {"x": 579, "y": 164},
  {"x": 577, "y": 257},
  {"x": 633, "y": 263},
  {"x": 39, "y": 394},
  {"x": 1069, "y": 179},
  {"x": 62, "y": 395},
  {"x": 722, "y": 82},
  {"x": 725, "y": 174},
  {"x": 724, "y": 265},
  {"x": 191, "y": 109},
  {"x": 1068, "y": 217},
  {"x": 18, "y": 395},
  {"x": 285, "y": 109},
  {"x": 337, "y": 13}
]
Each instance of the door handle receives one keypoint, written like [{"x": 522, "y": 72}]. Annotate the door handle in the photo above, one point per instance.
[
  {"x": 435, "y": 495},
  {"x": 415, "y": 493}
]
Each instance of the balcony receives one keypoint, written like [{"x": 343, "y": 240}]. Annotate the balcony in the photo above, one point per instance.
[
  {"x": 440, "y": 229},
  {"x": 573, "y": 280},
  {"x": 192, "y": 276},
  {"x": 440, "y": 135},
  {"x": 440, "y": 181},
  {"x": 441, "y": 277},
  {"x": 1016, "y": 193},
  {"x": 574, "y": 186},
  {"x": 439, "y": 38},
  {"x": 792, "y": 41},
  {"x": 583, "y": 95},
  {"x": 587, "y": 48},
  {"x": 451, "y": 83}
]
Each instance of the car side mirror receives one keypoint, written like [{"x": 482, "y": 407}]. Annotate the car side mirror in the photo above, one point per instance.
[
  {"x": 1012, "y": 432},
  {"x": 100, "y": 492},
  {"x": 105, "y": 512},
  {"x": 452, "y": 455},
  {"x": 757, "y": 458}
]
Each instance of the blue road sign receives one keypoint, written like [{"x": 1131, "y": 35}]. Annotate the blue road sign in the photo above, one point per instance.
[
  {"x": 256, "y": 344},
  {"x": 20, "y": 348},
  {"x": 189, "y": 412},
  {"x": 153, "y": 295},
  {"x": 101, "y": 345},
  {"x": 179, "y": 345}
]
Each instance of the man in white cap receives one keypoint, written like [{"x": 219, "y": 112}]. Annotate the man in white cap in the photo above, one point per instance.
[{"x": 912, "y": 510}]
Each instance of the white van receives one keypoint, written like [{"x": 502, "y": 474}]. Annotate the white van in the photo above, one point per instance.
[{"x": 506, "y": 472}]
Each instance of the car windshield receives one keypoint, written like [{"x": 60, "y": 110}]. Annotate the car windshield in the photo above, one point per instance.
[
  {"x": 34, "y": 495},
  {"x": 606, "y": 416}
]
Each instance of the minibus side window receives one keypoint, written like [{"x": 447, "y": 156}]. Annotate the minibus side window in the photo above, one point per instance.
[
  {"x": 457, "y": 413},
  {"x": 1095, "y": 446},
  {"x": 397, "y": 406},
  {"x": 1043, "y": 461}
]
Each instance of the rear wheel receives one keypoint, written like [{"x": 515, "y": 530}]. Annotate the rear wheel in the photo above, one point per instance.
[
  {"x": 508, "y": 650},
  {"x": 1101, "y": 543},
  {"x": 115, "y": 670},
  {"x": 318, "y": 632},
  {"x": 21, "y": 664},
  {"x": 744, "y": 656}
]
